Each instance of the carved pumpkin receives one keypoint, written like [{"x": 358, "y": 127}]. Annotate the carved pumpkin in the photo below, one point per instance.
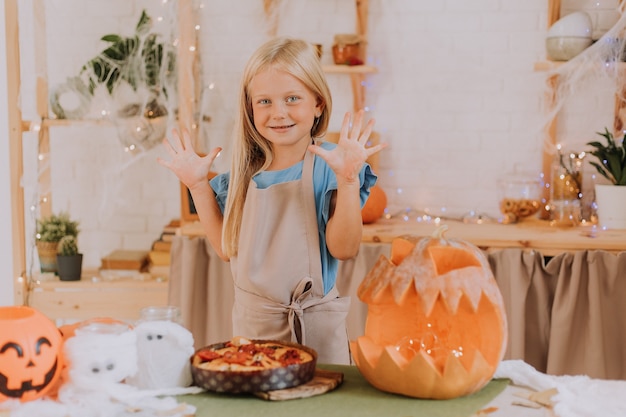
[
  {"x": 30, "y": 354},
  {"x": 436, "y": 325},
  {"x": 375, "y": 205}
]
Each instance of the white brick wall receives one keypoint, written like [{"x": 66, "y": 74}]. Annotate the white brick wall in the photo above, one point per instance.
[{"x": 456, "y": 98}]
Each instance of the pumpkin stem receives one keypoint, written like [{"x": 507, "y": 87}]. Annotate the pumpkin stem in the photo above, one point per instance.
[{"x": 438, "y": 233}]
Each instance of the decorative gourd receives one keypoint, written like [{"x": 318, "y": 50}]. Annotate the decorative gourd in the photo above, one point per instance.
[
  {"x": 30, "y": 354},
  {"x": 436, "y": 324},
  {"x": 375, "y": 205}
]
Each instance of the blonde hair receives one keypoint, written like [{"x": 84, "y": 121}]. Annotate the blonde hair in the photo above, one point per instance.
[{"x": 252, "y": 152}]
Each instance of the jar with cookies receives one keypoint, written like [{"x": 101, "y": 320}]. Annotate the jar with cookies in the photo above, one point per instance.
[{"x": 519, "y": 196}]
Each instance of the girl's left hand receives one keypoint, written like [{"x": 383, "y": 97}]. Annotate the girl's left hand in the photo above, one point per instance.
[{"x": 348, "y": 157}]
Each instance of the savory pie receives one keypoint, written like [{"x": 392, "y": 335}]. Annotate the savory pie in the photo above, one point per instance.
[{"x": 242, "y": 355}]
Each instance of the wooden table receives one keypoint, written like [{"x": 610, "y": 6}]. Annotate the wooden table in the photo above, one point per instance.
[
  {"x": 356, "y": 397},
  {"x": 527, "y": 234}
]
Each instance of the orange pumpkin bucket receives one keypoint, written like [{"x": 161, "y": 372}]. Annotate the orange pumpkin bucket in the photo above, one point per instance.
[
  {"x": 30, "y": 354},
  {"x": 436, "y": 324}
]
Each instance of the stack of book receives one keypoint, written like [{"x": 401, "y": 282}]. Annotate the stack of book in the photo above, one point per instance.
[
  {"x": 159, "y": 256},
  {"x": 122, "y": 263}
]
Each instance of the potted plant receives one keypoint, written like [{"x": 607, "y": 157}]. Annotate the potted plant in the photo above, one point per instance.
[
  {"x": 146, "y": 64},
  {"x": 611, "y": 165},
  {"x": 69, "y": 260},
  {"x": 50, "y": 230},
  {"x": 139, "y": 60}
]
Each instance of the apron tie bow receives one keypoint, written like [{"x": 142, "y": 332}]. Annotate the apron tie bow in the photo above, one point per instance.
[{"x": 296, "y": 311}]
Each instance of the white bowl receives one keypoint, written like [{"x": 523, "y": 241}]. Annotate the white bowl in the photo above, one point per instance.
[
  {"x": 566, "y": 47},
  {"x": 577, "y": 24},
  {"x": 604, "y": 13}
]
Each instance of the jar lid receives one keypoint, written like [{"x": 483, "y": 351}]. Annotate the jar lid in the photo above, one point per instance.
[{"x": 347, "y": 39}]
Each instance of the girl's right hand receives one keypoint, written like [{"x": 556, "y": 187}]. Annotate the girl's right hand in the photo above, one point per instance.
[{"x": 190, "y": 168}]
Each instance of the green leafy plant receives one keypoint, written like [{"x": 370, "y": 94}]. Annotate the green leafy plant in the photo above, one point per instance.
[
  {"x": 138, "y": 59},
  {"x": 611, "y": 158},
  {"x": 68, "y": 246},
  {"x": 55, "y": 226}
]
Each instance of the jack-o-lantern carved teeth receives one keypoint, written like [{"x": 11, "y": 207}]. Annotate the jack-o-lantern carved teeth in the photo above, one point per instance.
[{"x": 26, "y": 385}]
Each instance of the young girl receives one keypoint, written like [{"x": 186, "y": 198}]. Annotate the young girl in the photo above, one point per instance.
[{"x": 289, "y": 209}]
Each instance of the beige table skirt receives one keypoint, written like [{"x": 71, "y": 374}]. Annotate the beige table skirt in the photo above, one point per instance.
[{"x": 566, "y": 317}]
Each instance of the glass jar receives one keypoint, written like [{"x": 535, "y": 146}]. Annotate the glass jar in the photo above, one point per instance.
[
  {"x": 347, "y": 50},
  {"x": 161, "y": 313},
  {"x": 519, "y": 196},
  {"x": 102, "y": 328},
  {"x": 566, "y": 189}
]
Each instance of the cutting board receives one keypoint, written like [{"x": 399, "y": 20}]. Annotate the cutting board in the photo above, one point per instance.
[{"x": 323, "y": 381}]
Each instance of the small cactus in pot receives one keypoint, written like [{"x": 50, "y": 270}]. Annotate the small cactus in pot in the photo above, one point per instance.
[{"x": 69, "y": 260}]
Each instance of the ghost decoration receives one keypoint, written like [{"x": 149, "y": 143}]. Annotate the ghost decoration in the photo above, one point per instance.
[
  {"x": 99, "y": 362},
  {"x": 164, "y": 350}
]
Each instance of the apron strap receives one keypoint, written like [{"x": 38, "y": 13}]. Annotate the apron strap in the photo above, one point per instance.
[{"x": 312, "y": 228}]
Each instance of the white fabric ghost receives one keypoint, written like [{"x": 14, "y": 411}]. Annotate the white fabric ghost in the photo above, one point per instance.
[
  {"x": 164, "y": 350},
  {"x": 98, "y": 364}
]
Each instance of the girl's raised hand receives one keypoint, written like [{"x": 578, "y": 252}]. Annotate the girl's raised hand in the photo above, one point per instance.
[
  {"x": 348, "y": 157},
  {"x": 190, "y": 168}
]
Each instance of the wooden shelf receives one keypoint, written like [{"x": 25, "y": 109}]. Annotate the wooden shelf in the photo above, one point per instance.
[
  {"x": 548, "y": 65},
  {"x": 28, "y": 124},
  {"x": 552, "y": 65},
  {"x": 350, "y": 69},
  {"x": 121, "y": 298}
]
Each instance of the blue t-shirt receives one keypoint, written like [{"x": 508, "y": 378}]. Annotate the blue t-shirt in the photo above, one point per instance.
[{"x": 324, "y": 183}]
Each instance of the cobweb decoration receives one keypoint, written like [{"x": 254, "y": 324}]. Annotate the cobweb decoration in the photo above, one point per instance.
[
  {"x": 135, "y": 79},
  {"x": 603, "y": 63},
  {"x": 131, "y": 82}
]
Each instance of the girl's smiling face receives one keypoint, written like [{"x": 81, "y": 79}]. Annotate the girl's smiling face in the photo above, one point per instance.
[{"x": 284, "y": 109}]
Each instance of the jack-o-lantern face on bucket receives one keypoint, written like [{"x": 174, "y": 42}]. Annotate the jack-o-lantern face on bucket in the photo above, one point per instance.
[
  {"x": 30, "y": 354},
  {"x": 436, "y": 324}
]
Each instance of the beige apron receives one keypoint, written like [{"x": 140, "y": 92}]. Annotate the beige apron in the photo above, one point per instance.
[{"x": 279, "y": 292}]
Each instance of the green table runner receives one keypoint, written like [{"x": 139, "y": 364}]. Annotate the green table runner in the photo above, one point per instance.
[{"x": 355, "y": 397}]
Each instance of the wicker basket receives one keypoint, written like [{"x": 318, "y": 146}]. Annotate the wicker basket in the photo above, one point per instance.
[{"x": 47, "y": 256}]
